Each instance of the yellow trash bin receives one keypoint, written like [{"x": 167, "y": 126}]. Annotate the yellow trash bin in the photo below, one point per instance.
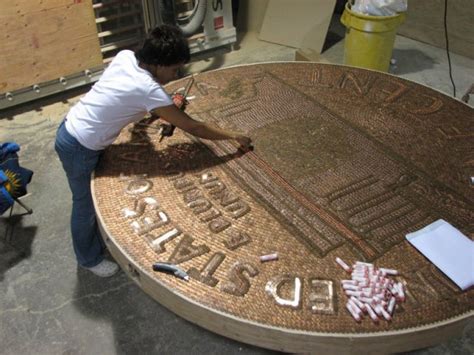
[{"x": 369, "y": 39}]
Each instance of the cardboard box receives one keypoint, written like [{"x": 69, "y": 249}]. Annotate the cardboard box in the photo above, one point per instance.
[{"x": 298, "y": 24}]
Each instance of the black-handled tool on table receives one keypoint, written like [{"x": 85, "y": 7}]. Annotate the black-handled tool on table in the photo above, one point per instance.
[{"x": 171, "y": 269}]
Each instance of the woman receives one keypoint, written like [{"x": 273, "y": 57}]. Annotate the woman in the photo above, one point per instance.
[{"x": 129, "y": 88}]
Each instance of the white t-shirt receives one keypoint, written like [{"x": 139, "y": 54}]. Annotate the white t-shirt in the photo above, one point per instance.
[{"x": 125, "y": 93}]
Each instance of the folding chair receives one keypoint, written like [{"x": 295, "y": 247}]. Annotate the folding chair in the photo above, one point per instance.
[{"x": 13, "y": 178}]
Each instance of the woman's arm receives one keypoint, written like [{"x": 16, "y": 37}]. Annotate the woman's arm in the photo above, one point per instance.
[{"x": 199, "y": 129}]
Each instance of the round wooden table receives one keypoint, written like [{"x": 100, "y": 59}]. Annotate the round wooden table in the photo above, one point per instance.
[{"x": 346, "y": 162}]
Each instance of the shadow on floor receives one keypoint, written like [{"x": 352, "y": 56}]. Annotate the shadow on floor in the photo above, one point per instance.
[
  {"x": 140, "y": 324},
  {"x": 331, "y": 39},
  {"x": 411, "y": 61},
  {"x": 15, "y": 242},
  {"x": 336, "y": 31},
  {"x": 215, "y": 61},
  {"x": 215, "y": 58}
]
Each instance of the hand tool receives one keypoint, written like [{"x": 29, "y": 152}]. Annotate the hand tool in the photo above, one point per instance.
[
  {"x": 171, "y": 269},
  {"x": 167, "y": 130}
]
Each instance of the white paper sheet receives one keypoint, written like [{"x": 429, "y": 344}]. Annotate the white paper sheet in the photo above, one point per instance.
[{"x": 450, "y": 250}]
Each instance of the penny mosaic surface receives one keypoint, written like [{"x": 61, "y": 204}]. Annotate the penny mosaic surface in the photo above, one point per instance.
[{"x": 346, "y": 163}]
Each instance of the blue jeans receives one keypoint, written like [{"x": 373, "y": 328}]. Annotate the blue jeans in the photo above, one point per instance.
[{"x": 79, "y": 163}]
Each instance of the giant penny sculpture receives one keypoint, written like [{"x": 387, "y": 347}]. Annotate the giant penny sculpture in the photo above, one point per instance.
[{"x": 346, "y": 162}]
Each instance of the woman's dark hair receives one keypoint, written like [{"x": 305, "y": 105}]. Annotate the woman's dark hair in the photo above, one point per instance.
[{"x": 165, "y": 46}]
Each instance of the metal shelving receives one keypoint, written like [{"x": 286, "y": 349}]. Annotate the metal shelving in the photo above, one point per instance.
[{"x": 120, "y": 25}]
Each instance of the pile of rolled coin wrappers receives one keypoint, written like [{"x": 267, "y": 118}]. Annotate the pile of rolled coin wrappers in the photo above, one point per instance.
[{"x": 371, "y": 291}]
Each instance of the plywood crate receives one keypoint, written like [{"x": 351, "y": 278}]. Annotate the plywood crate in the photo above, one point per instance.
[{"x": 45, "y": 40}]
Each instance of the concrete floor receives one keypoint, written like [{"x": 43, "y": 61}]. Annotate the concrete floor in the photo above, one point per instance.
[{"x": 50, "y": 306}]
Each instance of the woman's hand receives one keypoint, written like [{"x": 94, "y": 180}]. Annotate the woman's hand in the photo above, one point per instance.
[
  {"x": 180, "y": 119},
  {"x": 245, "y": 142}
]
